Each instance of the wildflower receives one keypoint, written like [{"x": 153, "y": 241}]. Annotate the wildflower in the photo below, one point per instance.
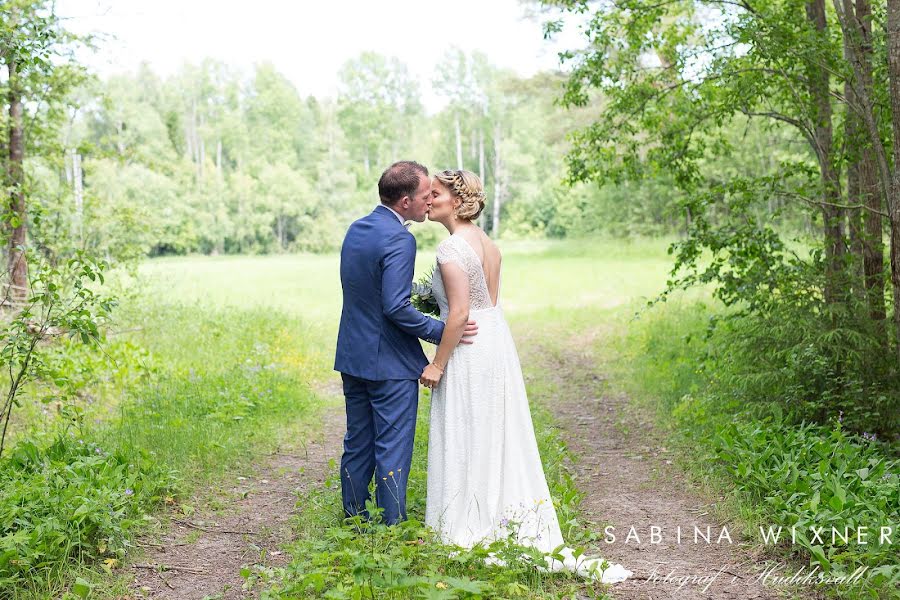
[
  {"x": 129, "y": 492},
  {"x": 441, "y": 585},
  {"x": 869, "y": 436},
  {"x": 841, "y": 417},
  {"x": 391, "y": 473}
]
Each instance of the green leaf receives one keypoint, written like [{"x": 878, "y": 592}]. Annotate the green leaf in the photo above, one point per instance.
[
  {"x": 819, "y": 554},
  {"x": 836, "y": 504},
  {"x": 81, "y": 588}
]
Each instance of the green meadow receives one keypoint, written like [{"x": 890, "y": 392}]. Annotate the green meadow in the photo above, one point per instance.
[{"x": 213, "y": 361}]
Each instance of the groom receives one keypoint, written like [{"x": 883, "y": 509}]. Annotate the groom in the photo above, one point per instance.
[{"x": 378, "y": 351}]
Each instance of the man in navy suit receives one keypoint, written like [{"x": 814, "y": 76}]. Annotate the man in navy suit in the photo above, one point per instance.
[{"x": 378, "y": 351}]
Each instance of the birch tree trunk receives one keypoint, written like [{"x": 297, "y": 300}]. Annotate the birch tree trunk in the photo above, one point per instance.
[
  {"x": 459, "y": 154},
  {"x": 79, "y": 195},
  {"x": 498, "y": 185},
  {"x": 483, "y": 217}
]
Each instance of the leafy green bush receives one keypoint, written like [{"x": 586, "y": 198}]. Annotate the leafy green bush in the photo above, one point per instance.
[
  {"x": 813, "y": 370},
  {"x": 70, "y": 500},
  {"x": 808, "y": 476},
  {"x": 721, "y": 397},
  {"x": 189, "y": 396}
]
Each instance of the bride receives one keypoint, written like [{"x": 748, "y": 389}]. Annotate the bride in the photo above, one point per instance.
[{"x": 485, "y": 477}]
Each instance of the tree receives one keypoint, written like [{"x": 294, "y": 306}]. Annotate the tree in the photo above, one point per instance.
[
  {"x": 36, "y": 51},
  {"x": 674, "y": 79},
  {"x": 378, "y": 103},
  {"x": 480, "y": 100},
  {"x": 773, "y": 60}
]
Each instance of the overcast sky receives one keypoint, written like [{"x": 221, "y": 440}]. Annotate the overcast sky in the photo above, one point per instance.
[{"x": 309, "y": 41}]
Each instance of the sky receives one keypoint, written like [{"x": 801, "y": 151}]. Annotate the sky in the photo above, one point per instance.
[{"x": 309, "y": 41}]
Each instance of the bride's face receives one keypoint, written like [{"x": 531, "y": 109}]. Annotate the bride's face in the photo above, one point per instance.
[{"x": 443, "y": 203}]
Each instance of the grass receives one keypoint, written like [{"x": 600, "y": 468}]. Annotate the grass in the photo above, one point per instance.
[
  {"x": 214, "y": 389},
  {"x": 537, "y": 275},
  {"x": 769, "y": 470},
  {"x": 334, "y": 560},
  {"x": 218, "y": 358},
  {"x": 212, "y": 361}
]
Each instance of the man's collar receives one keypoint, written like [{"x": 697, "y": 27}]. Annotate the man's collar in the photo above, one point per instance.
[{"x": 396, "y": 214}]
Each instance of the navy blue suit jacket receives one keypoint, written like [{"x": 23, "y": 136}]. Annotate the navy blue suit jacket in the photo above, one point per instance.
[{"x": 379, "y": 331}]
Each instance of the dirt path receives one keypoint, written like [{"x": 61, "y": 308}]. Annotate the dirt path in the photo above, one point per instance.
[
  {"x": 621, "y": 464},
  {"x": 628, "y": 478},
  {"x": 201, "y": 556}
]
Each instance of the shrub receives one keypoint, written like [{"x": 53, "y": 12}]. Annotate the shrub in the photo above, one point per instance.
[{"x": 70, "y": 500}]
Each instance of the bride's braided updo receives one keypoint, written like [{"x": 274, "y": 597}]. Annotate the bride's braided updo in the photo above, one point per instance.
[{"x": 466, "y": 186}]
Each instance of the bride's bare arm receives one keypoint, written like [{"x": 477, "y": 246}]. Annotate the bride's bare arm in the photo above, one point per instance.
[{"x": 456, "y": 285}]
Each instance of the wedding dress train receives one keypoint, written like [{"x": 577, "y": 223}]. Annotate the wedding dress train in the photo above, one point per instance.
[{"x": 485, "y": 476}]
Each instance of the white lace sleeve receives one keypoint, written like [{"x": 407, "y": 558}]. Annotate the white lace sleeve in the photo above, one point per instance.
[{"x": 447, "y": 252}]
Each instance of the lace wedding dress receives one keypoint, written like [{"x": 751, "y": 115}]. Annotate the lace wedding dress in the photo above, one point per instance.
[{"x": 485, "y": 477}]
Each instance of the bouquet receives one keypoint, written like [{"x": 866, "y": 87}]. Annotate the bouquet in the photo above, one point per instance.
[{"x": 422, "y": 296}]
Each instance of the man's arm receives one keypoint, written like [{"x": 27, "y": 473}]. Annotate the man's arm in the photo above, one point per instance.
[{"x": 396, "y": 285}]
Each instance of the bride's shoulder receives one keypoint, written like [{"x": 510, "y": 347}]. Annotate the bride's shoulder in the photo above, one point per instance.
[
  {"x": 448, "y": 250},
  {"x": 445, "y": 244}
]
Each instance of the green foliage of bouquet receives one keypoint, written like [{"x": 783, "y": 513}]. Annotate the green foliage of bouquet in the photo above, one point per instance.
[{"x": 423, "y": 297}]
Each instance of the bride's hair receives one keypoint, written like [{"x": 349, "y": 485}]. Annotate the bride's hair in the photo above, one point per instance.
[{"x": 466, "y": 186}]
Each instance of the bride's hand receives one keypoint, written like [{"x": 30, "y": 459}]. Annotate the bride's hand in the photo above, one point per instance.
[{"x": 431, "y": 376}]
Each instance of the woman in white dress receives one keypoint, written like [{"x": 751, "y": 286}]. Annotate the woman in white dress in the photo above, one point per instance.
[{"x": 485, "y": 476}]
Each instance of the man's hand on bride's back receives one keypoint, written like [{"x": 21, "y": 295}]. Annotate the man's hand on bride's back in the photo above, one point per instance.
[{"x": 469, "y": 333}]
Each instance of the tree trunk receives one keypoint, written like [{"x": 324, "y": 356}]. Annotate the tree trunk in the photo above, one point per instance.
[
  {"x": 481, "y": 154},
  {"x": 280, "y": 222},
  {"x": 483, "y": 218},
  {"x": 202, "y": 159},
  {"x": 835, "y": 287},
  {"x": 893, "y": 35},
  {"x": 854, "y": 221},
  {"x": 17, "y": 265},
  {"x": 855, "y": 141},
  {"x": 498, "y": 185},
  {"x": 79, "y": 196},
  {"x": 459, "y": 154},
  {"x": 874, "y": 171}
]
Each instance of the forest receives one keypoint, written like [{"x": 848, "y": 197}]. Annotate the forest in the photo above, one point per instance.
[{"x": 699, "y": 213}]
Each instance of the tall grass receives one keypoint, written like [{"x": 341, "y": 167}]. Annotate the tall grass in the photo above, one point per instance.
[
  {"x": 217, "y": 388},
  {"x": 772, "y": 469}
]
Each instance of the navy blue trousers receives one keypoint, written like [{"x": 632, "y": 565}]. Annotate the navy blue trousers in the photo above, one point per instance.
[{"x": 381, "y": 429}]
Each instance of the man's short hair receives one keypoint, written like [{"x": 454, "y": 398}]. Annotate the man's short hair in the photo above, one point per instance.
[{"x": 398, "y": 180}]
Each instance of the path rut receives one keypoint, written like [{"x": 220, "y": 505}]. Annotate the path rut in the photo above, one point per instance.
[
  {"x": 629, "y": 479},
  {"x": 201, "y": 556}
]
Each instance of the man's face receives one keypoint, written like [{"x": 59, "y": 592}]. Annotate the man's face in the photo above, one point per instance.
[{"x": 421, "y": 200}]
